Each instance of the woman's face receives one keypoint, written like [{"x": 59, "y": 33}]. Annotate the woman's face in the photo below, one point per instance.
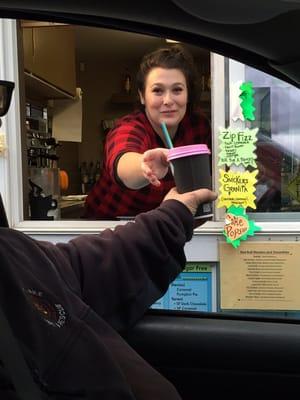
[{"x": 165, "y": 98}]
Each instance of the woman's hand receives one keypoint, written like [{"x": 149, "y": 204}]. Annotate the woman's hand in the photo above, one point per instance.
[{"x": 155, "y": 165}]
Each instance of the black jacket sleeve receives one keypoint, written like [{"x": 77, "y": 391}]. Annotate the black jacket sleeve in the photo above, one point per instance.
[{"x": 122, "y": 272}]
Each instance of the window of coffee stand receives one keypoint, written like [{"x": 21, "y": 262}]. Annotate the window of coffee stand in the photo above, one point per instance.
[
  {"x": 107, "y": 96},
  {"x": 105, "y": 99}
]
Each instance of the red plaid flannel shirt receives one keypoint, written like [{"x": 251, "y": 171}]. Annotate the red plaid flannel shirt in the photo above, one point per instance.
[{"x": 110, "y": 198}]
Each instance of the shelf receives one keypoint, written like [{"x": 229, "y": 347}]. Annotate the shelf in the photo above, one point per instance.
[
  {"x": 31, "y": 23},
  {"x": 38, "y": 89},
  {"x": 71, "y": 209}
]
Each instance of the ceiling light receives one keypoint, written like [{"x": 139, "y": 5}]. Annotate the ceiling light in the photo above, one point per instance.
[{"x": 172, "y": 41}]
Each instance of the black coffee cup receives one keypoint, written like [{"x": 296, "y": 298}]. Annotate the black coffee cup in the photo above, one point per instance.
[{"x": 190, "y": 166}]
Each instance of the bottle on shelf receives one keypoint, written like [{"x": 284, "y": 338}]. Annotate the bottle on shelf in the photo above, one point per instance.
[
  {"x": 127, "y": 83},
  {"x": 97, "y": 171},
  {"x": 84, "y": 177},
  {"x": 91, "y": 174}
]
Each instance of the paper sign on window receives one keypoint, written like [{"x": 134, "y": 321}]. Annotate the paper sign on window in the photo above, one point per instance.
[
  {"x": 237, "y": 188},
  {"x": 238, "y": 147}
]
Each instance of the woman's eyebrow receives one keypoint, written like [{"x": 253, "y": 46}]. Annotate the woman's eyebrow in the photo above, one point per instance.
[{"x": 163, "y": 84}]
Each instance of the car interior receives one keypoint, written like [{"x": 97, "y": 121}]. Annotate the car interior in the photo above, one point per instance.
[{"x": 219, "y": 353}]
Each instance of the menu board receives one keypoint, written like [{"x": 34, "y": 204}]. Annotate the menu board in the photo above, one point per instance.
[
  {"x": 260, "y": 276},
  {"x": 191, "y": 291}
]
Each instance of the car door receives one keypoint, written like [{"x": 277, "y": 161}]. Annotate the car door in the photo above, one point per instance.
[{"x": 221, "y": 354}]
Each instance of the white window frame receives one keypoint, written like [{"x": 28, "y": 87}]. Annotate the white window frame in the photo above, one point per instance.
[{"x": 11, "y": 161}]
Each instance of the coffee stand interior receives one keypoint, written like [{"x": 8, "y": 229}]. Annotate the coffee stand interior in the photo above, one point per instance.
[{"x": 73, "y": 93}]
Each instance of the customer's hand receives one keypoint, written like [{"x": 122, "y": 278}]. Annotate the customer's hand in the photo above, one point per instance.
[
  {"x": 192, "y": 199},
  {"x": 155, "y": 165}
]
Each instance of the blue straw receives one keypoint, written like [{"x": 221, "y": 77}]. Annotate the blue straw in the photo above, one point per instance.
[{"x": 167, "y": 136}]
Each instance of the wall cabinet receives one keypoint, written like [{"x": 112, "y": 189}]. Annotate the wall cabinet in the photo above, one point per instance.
[{"x": 49, "y": 55}]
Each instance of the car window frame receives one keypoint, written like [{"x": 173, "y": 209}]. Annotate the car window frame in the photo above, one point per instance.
[{"x": 63, "y": 231}]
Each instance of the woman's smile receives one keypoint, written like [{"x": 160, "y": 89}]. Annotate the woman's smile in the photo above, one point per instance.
[{"x": 169, "y": 112}]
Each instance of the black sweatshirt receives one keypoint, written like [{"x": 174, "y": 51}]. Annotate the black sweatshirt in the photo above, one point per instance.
[{"x": 67, "y": 302}]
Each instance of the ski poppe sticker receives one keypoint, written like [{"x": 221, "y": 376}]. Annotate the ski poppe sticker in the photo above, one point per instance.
[{"x": 238, "y": 226}]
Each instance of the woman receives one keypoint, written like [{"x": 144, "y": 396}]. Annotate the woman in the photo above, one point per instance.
[{"x": 136, "y": 174}]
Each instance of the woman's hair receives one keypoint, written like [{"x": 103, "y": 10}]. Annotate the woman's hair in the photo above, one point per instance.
[{"x": 171, "y": 57}]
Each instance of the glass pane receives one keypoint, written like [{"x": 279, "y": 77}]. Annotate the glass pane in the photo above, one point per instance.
[{"x": 278, "y": 147}]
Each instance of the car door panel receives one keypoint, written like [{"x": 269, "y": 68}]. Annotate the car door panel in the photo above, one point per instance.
[{"x": 218, "y": 354}]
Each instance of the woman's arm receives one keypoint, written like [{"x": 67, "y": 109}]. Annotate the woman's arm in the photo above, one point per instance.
[
  {"x": 129, "y": 170},
  {"x": 137, "y": 170}
]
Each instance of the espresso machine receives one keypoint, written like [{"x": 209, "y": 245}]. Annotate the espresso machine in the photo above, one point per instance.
[
  {"x": 43, "y": 171},
  {"x": 44, "y": 193}
]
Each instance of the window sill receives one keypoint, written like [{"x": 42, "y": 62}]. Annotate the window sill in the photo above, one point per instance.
[{"x": 66, "y": 227}]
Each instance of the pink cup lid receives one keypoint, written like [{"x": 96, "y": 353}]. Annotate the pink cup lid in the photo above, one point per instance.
[{"x": 185, "y": 151}]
